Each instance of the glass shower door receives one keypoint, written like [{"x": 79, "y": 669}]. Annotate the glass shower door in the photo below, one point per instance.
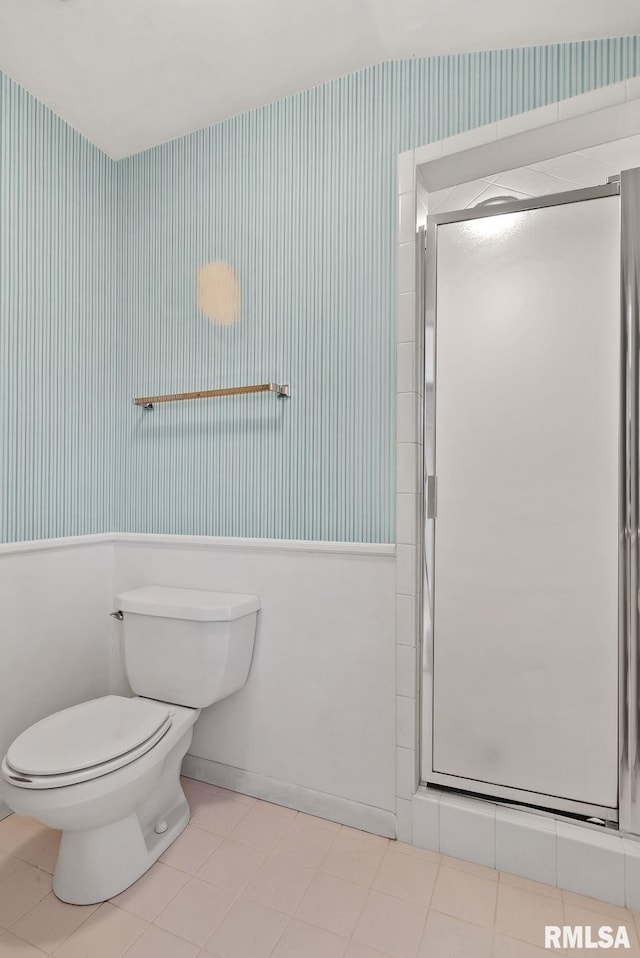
[{"x": 525, "y": 574}]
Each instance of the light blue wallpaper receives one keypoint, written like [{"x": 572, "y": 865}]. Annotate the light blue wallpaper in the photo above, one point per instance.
[
  {"x": 300, "y": 198},
  {"x": 97, "y": 302},
  {"x": 57, "y": 227}
]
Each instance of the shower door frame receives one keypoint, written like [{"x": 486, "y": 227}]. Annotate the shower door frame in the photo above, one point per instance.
[
  {"x": 629, "y": 550},
  {"x": 627, "y": 815}
]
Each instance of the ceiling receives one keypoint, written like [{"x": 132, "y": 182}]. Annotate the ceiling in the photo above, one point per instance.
[{"x": 130, "y": 74}]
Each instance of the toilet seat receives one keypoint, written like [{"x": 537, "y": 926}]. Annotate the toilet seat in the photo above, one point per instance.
[{"x": 85, "y": 741}]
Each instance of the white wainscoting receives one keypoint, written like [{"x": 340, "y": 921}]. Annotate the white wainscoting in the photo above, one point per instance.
[
  {"x": 56, "y": 635},
  {"x": 314, "y": 725}
]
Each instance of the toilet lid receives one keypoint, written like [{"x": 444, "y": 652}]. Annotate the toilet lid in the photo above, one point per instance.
[{"x": 86, "y": 735}]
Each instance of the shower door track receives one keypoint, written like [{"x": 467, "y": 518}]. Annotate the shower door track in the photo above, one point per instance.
[{"x": 627, "y": 814}]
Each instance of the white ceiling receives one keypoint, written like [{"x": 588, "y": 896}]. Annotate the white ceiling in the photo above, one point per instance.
[{"x": 130, "y": 74}]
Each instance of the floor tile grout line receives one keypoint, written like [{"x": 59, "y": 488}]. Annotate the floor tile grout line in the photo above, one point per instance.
[
  {"x": 369, "y": 890},
  {"x": 238, "y": 895},
  {"x": 137, "y": 938},
  {"x": 533, "y": 891},
  {"x": 295, "y": 861},
  {"x": 495, "y": 916},
  {"x": 280, "y": 937},
  {"x": 166, "y": 905},
  {"x": 230, "y": 834},
  {"x": 83, "y": 922},
  {"x": 27, "y": 910},
  {"x": 217, "y": 925},
  {"x": 428, "y": 907}
]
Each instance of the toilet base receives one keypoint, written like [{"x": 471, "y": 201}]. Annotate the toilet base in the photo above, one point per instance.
[
  {"x": 96, "y": 864},
  {"x": 114, "y": 827}
]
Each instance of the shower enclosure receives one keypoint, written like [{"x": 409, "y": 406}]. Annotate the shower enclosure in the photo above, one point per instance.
[{"x": 530, "y": 671}]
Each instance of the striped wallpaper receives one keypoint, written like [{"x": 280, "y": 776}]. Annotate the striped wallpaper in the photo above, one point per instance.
[
  {"x": 301, "y": 198},
  {"x": 57, "y": 229},
  {"x": 98, "y": 302}
]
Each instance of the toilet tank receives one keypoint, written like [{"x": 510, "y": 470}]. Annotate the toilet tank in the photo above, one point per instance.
[{"x": 187, "y": 646}]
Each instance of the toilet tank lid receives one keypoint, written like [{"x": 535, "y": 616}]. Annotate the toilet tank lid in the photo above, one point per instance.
[{"x": 173, "y": 603}]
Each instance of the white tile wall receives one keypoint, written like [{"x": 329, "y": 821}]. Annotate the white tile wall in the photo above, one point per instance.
[
  {"x": 533, "y": 181},
  {"x": 404, "y": 820},
  {"x": 406, "y": 775},
  {"x": 408, "y": 415},
  {"x": 595, "y": 100},
  {"x": 406, "y": 172},
  {"x": 406, "y": 671},
  {"x": 407, "y": 529},
  {"x": 468, "y": 829},
  {"x": 630, "y": 122},
  {"x": 407, "y": 467},
  {"x": 408, "y": 497},
  {"x": 406, "y": 267},
  {"x": 407, "y": 368},
  {"x": 577, "y": 168},
  {"x": 591, "y": 863},
  {"x": 407, "y": 217},
  {"x": 426, "y": 818},
  {"x": 632, "y": 873},
  {"x": 407, "y": 570},
  {"x": 613, "y": 152},
  {"x": 470, "y": 139},
  {"x": 406, "y": 619},
  {"x": 424, "y": 154},
  {"x": 522, "y": 122},
  {"x": 438, "y": 197},
  {"x": 422, "y": 205},
  {"x": 526, "y": 845},
  {"x": 406, "y": 318},
  {"x": 406, "y": 722},
  {"x": 458, "y": 197}
]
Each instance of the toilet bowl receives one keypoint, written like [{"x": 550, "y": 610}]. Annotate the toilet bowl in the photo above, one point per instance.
[
  {"x": 107, "y": 772},
  {"x": 117, "y": 816}
]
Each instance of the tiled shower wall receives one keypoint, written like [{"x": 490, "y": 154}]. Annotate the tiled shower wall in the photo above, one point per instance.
[{"x": 98, "y": 302}]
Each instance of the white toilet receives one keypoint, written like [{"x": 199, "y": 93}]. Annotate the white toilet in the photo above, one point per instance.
[{"x": 107, "y": 772}]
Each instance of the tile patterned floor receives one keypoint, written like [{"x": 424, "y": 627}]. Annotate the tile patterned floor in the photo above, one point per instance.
[{"x": 252, "y": 880}]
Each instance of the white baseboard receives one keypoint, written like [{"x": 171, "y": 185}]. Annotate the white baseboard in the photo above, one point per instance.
[{"x": 378, "y": 821}]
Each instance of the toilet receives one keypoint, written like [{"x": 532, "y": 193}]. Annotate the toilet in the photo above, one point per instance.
[{"x": 107, "y": 772}]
